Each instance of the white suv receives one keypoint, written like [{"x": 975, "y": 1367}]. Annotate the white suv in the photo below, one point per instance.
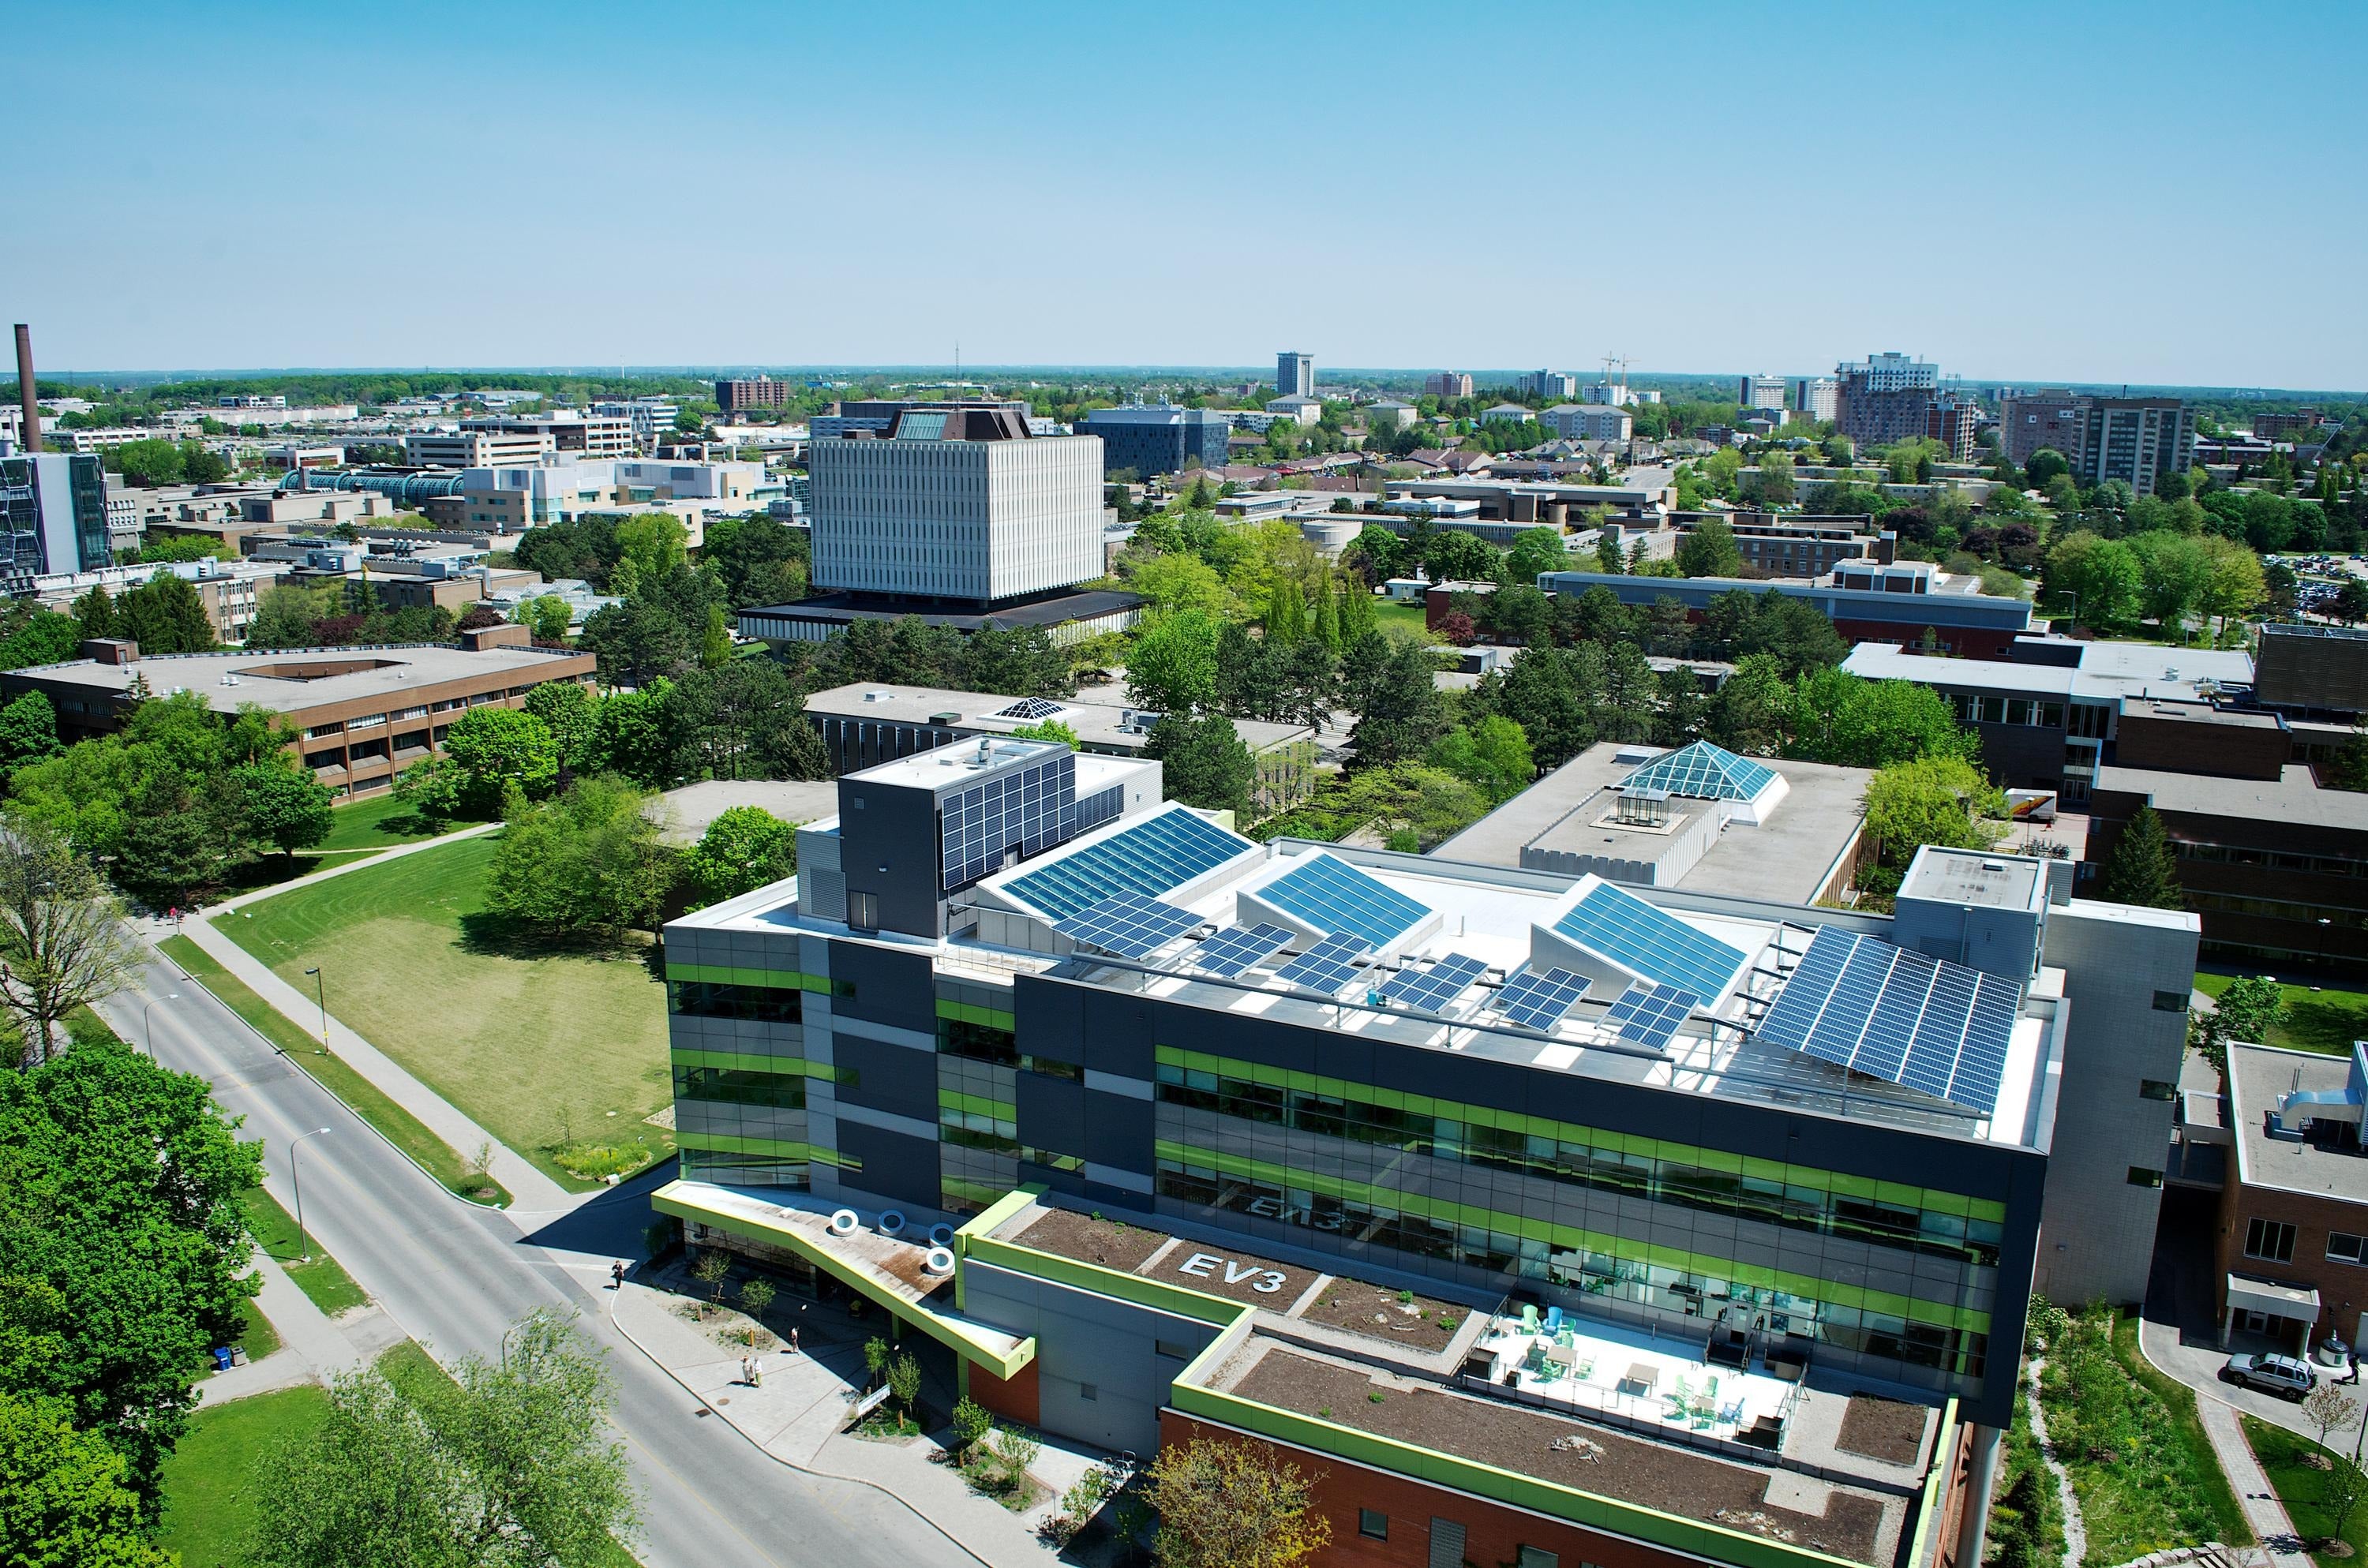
[{"x": 2288, "y": 1377}]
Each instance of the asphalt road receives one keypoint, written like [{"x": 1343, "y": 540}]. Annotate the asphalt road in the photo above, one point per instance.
[{"x": 456, "y": 1276}]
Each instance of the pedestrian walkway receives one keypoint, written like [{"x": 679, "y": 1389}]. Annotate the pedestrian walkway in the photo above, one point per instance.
[
  {"x": 2076, "y": 1528},
  {"x": 530, "y": 1190},
  {"x": 795, "y": 1413},
  {"x": 2279, "y": 1548},
  {"x": 314, "y": 1346}
]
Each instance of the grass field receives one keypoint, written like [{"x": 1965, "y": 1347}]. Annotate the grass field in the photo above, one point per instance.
[
  {"x": 325, "y": 1279},
  {"x": 402, "y": 1128},
  {"x": 2327, "y": 1020},
  {"x": 213, "y": 1488},
  {"x": 259, "y": 1338},
  {"x": 1407, "y": 616},
  {"x": 545, "y": 1049},
  {"x": 2303, "y": 1487},
  {"x": 381, "y": 822}
]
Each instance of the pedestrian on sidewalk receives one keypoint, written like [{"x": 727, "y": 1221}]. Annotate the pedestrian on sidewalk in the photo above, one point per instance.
[
  {"x": 755, "y": 1373},
  {"x": 2355, "y": 1366},
  {"x": 616, "y": 1277},
  {"x": 793, "y": 1342},
  {"x": 747, "y": 1372}
]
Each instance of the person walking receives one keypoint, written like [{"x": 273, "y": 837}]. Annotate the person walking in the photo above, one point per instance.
[
  {"x": 747, "y": 1372},
  {"x": 616, "y": 1277},
  {"x": 756, "y": 1372},
  {"x": 2354, "y": 1355},
  {"x": 793, "y": 1346}
]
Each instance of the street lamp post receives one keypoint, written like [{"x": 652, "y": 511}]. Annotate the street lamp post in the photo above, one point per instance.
[
  {"x": 147, "y": 1036},
  {"x": 321, "y": 994},
  {"x": 296, "y": 1176}
]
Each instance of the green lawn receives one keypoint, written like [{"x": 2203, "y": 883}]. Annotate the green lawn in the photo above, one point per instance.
[
  {"x": 402, "y": 1128},
  {"x": 325, "y": 1279},
  {"x": 213, "y": 1491},
  {"x": 1410, "y": 618},
  {"x": 2302, "y": 1487},
  {"x": 259, "y": 1338},
  {"x": 546, "y": 1048},
  {"x": 2327, "y": 1020},
  {"x": 376, "y": 822}
]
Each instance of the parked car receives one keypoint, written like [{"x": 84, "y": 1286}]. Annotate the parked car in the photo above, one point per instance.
[{"x": 2288, "y": 1377}]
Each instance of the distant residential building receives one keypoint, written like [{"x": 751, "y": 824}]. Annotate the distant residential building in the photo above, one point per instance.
[
  {"x": 248, "y": 400},
  {"x": 1817, "y": 397},
  {"x": 2302, "y": 423},
  {"x": 1885, "y": 398},
  {"x": 1508, "y": 413},
  {"x": 1619, "y": 394},
  {"x": 2139, "y": 440},
  {"x": 1795, "y": 544},
  {"x": 1762, "y": 391},
  {"x": 1588, "y": 421},
  {"x": 1953, "y": 420},
  {"x": 1548, "y": 384},
  {"x": 1447, "y": 383},
  {"x": 1390, "y": 411},
  {"x": 2048, "y": 418},
  {"x": 1294, "y": 375},
  {"x": 739, "y": 396},
  {"x": 1300, "y": 410},
  {"x": 1150, "y": 438},
  {"x": 53, "y": 507}
]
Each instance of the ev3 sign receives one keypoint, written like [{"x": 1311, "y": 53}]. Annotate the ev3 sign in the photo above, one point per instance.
[{"x": 1205, "y": 1265}]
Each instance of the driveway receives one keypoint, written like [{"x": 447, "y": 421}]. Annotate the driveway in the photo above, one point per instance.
[{"x": 2177, "y": 1331}]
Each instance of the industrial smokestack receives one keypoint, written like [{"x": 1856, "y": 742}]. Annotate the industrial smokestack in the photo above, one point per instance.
[{"x": 32, "y": 432}]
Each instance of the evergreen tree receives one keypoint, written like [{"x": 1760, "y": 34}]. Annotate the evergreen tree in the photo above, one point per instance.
[
  {"x": 1326, "y": 626},
  {"x": 96, "y": 610},
  {"x": 1356, "y": 613},
  {"x": 1286, "y": 615},
  {"x": 2141, "y": 870}
]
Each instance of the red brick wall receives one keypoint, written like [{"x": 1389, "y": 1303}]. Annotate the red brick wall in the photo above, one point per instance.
[
  {"x": 1494, "y": 1533},
  {"x": 1013, "y": 1398},
  {"x": 2342, "y": 1287}
]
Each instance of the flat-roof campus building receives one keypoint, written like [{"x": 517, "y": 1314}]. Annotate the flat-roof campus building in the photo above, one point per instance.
[
  {"x": 1547, "y": 1214},
  {"x": 1867, "y": 600}
]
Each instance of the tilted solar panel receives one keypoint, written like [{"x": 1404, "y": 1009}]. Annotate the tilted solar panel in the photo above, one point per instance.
[
  {"x": 1940, "y": 1027},
  {"x": 1431, "y": 990},
  {"x": 1159, "y": 854},
  {"x": 1236, "y": 947},
  {"x": 1329, "y": 965},
  {"x": 1537, "y": 1001},
  {"x": 1651, "y": 1014},
  {"x": 1649, "y": 942},
  {"x": 1129, "y": 926},
  {"x": 1333, "y": 896}
]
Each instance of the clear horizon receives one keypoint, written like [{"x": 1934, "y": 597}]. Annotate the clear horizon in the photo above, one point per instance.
[{"x": 1076, "y": 187}]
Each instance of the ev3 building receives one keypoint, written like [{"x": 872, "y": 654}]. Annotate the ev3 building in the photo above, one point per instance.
[{"x": 1549, "y": 1218}]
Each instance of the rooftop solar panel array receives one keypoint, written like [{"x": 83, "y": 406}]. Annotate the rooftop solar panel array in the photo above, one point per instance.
[
  {"x": 1128, "y": 927},
  {"x": 1333, "y": 896},
  {"x": 1431, "y": 990},
  {"x": 1158, "y": 855},
  {"x": 1236, "y": 947},
  {"x": 1329, "y": 965},
  {"x": 1649, "y": 943},
  {"x": 1892, "y": 1012},
  {"x": 1537, "y": 1001},
  {"x": 1650, "y": 1015}
]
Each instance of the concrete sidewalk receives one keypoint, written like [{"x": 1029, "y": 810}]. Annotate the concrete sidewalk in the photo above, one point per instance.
[
  {"x": 376, "y": 857},
  {"x": 531, "y": 1191},
  {"x": 2279, "y": 1547},
  {"x": 796, "y": 1412},
  {"x": 314, "y": 1346}
]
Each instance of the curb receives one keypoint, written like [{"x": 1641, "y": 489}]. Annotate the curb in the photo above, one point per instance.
[{"x": 952, "y": 1540}]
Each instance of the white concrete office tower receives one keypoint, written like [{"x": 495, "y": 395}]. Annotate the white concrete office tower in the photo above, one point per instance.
[
  {"x": 1817, "y": 397},
  {"x": 957, "y": 503},
  {"x": 1294, "y": 375},
  {"x": 1762, "y": 391}
]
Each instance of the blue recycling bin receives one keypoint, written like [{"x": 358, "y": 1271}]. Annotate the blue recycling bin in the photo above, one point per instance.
[{"x": 222, "y": 1358}]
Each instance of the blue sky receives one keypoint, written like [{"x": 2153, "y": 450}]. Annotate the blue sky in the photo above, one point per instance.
[{"x": 2151, "y": 193}]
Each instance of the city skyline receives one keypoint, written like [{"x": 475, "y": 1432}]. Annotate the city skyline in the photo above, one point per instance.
[{"x": 481, "y": 205}]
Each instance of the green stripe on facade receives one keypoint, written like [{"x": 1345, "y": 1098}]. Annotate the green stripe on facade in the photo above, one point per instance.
[
  {"x": 1810, "y": 1177},
  {"x": 746, "y": 1061},
  {"x": 954, "y": 1099},
  {"x": 726, "y": 974},
  {"x": 986, "y": 1018},
  {"x": 1938, "y": 1314},
  {"x": 779, "y": 1148}
]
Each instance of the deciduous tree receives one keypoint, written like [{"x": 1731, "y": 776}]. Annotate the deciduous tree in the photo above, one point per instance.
[
  {"x": 1226, "y": 1505},
  {"x": 743, "y": 849},
  {"x": 588, "y": 862},
  {"x": 63, "y": 1499},
  {"x": 62, "y": 942}
]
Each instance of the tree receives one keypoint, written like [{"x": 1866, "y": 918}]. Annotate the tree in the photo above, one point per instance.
[
  {"x": 31, "y": 635},
  {"x": 1224, "y": 1505},
  {"x": 904, "y": 1387},
  {"x": 1493, "y": 754},
  {"x": 755, "y": 1295},
  {"x": 1454, "y": 555},
  {"x": 2142, "y": 869},
  {"x": 514, "y": 1465},
  {"x": 2327, "y": 1408},
  {"x": 62, "y": 942},
  {"x": 2249, "y": 1011},
  {"x": 292, "y": 617},
  {"x": 635, "y": 733},
  {"x": 1939, "y": 800},
  {"x": 1534, "y": 550},
  {"x": 2101, "y": 576},
  {"x": 650, "y": 546},
  {"x": 164, "y": 615},
  {"x": 1709, "y": 551},
  {"x": 28, "y": 731},
  {"x": 2174, "y": 574},
  {"x": 281, "y": 807},
  {"x": 2045, "y": 465},
  {"x": 494, "y": 747},
  {"x": 1182, "y": 582},
  {"x": 746, "y": 847},
  {"x": 62, "y": 1495},
  {"x": 1843, "y": 718},
  {"x": 588, "y": 862},
  {"x": 548, "y": 617},
  {"x": 112, "y": 1315},
  {"x": 1203, "y": 762},
  {"x": 95, "y": 612},
  {"x": 1173, "y": 665},
  {"x": 1390, "y": 688},
  {"x": 151, "y": 463},
  {"x": 1052, "y": 730},
  {"x": 566, "y": 709}
]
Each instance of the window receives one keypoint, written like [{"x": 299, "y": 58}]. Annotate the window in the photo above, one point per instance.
[
  {"x": 2155, "y": 1089},
  {"x": 1176, "y": 1352},
  {"x": 2141, "y": 1176},
  {"x": 2271, "y": 1240},
  {"x": 863, "y": 911},
  {"x": 1374, "y": 1523},
  {"x": 2342, "y": 1248},
  {"x": 1089, "y": 1390},
  {"x": 2170, "y": 1001},
  {"x": 1535, "y": 1557}
]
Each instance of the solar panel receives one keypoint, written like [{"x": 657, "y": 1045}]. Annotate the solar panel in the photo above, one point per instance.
[
  {"x": 1538, "y": 1001},
  {"x": 1329, "y": 965},
  {"x": 1649, "y": 943},
  {"x": 1894, "y": 1013},
  {"x": 1129, "y": 926},
  {"x": 1030, "y": 708},
  {"x": 1333, "y": 896},
  {"x": 1650, "y": 1015},
  {"x": 1431, "y": 990},
  {"x": 1158, "y": 855},
  {"x": 1236, "y": 947}
]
